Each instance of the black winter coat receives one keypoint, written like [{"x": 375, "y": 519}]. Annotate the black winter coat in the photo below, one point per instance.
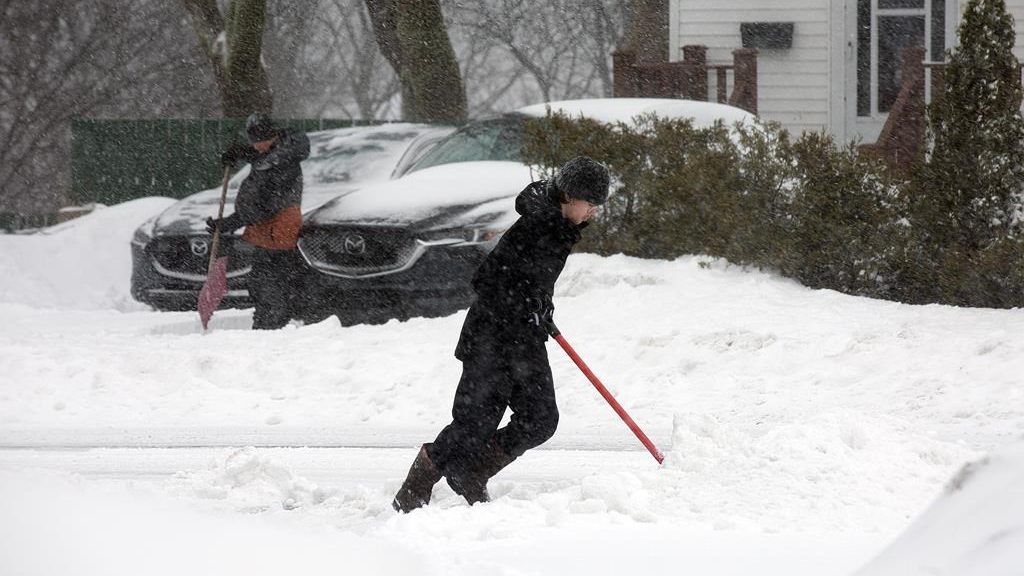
[
  {"x": 520, "y": 271},
  {"x": 274, "y": 183}
]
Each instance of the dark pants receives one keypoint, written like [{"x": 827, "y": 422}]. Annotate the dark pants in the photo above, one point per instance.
[
  {"x": 274, "y": 287},
  {"x": 496, "y": 377}
]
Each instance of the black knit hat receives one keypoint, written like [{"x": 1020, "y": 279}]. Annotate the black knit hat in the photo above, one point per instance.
[
  {"x": 259, "y": 127},
  {"x": 583, "y": 178}
]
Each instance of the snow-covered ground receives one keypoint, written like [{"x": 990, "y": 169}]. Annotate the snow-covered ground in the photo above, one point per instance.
[{"x": 804, "y": 430}]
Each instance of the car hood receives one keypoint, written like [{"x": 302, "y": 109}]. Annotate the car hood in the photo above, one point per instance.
[
  {"x": 188, "y": 216},
  {"x": 449, "y": 195}
]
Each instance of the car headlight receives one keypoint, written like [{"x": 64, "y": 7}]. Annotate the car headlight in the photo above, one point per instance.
[
  {"x": 459, "y": 236},
  {"x": 143, "y": 234}
]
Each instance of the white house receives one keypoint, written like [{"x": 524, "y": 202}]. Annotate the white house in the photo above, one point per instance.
[{"x": 824, "y": 64}]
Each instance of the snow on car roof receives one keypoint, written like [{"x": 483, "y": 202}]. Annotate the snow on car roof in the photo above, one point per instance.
[
  {"x": 341, "y": 159},
  {"x": 612, "y": 110},
  {"x": 360, "y": 153}
]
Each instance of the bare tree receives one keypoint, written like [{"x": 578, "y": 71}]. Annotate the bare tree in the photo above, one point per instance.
[
  {"x": 497, "y": 81},
  {"x": 564, "y": 46},
  {"x": 286, "y": 41},
  {"x": 341, "y": 62},
  {"x": 233, "y": 43},
  {"x": 61, "y": 60},
  {"x": 338, "y": 70},
  {"x": 413, "y": 37}
]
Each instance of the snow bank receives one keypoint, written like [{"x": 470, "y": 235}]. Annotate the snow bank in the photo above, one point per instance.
[
  {"x": 82, "y": 264},
  {"x": 976, "y": 527},
  {"x": 52, "y": 525},
  {"x": 831, "y": 467}
]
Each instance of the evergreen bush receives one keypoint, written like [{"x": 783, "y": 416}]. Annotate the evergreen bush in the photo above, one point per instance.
[{"x": 966, "y": 198}]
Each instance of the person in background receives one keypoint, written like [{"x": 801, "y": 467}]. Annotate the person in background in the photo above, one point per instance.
[
  {"x": 502, "y": 344},
  {"x": 268, "y": 205}
]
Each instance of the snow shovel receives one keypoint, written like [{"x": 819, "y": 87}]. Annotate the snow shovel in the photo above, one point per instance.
[
  {"x": 216, "y": 285},
  {"x": 557, "y": 335}
]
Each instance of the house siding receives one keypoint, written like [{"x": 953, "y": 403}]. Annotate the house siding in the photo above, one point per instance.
[
  {"x": 793, "y": 84},
  {"x": 1015, "y": 8}
]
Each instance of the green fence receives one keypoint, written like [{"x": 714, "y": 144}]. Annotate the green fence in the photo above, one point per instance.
[{"x": 117, "y": 160}]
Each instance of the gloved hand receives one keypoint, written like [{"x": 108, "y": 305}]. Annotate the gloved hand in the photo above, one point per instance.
[
  {"x": 227, "y": 225},
  {"x": 540, "y": 312},
  {"x": 237, "y": 152}
]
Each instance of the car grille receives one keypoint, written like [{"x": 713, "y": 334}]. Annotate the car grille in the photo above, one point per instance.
[
  {"x": 357, "y": 251},
  {"x": 180, "y": 255}
]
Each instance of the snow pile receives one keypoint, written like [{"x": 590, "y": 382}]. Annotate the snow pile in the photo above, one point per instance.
[
  {"x": 52, "y": 525},
  {"x": 975, "y": 528},
  {"x": 81, "y": 264},
  {"x": 252, "y": 483},
  {"x": 825, "y": 470}
]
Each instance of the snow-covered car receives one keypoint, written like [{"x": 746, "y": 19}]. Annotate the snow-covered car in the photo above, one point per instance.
[
  {"x": 409, "y": 246},
  {"x": 170, "y": 251}
]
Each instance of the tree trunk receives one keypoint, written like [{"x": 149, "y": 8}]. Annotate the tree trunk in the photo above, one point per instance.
[
  {"x": 647, "y": 30},
  {"x": 233, "y": 44},
  {"x": 384, "y": 15},
  {"x": 412, "y": 36}
]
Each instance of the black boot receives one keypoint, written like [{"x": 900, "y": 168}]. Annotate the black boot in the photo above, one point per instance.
[
  {"x": 418, "y": 485},
  {"x": 472, "y": 485}
]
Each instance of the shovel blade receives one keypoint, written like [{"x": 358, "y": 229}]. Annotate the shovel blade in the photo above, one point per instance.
[{"x": 214, "y": 289}]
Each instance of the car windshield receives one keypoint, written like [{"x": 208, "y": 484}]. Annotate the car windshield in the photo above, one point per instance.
[
  {"x": 350, "y": 155},
  {"x": 500, "y": 139},
  {"x": 357, "y": 157}
]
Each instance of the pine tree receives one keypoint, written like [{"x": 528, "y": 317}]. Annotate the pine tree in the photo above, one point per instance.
[{"x": 972, "y": 182}]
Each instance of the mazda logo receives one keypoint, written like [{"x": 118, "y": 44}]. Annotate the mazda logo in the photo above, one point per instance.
[
  {"x": 199, "y": 246},
  {"x": 355, "y": 244}
]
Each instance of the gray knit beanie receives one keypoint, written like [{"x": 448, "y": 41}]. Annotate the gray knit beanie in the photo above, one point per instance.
[{"x": 583, "y": 178}]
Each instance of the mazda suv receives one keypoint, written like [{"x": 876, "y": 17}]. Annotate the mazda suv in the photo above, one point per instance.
[{"x": 170, "y": 252}]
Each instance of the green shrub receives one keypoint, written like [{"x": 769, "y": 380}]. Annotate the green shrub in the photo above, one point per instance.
[
  {"x": 845, "y": 222},
  {"x": 822, "y": 214}
]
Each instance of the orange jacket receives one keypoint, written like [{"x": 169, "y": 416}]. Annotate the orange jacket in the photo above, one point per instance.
[{"x": 279, "y": 233}]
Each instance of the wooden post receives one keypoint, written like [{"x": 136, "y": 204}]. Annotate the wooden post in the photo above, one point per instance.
[
  {"x": 624, "y": 74},
  {"x": 695, "y": 56},
  {"x": 744, "y": 91}
]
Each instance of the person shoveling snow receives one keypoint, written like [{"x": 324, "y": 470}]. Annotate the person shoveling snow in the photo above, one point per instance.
[{"x": 504, "y": 360}]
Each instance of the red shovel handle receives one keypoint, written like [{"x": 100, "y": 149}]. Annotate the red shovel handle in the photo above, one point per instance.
[{"x": 607, "y": 395}]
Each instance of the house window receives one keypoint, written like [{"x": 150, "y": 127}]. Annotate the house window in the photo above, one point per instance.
[{"x": 884, "y": 29}]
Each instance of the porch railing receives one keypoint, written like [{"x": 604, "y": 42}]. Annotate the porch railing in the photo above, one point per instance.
[{"x": 688, "y": 78}]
